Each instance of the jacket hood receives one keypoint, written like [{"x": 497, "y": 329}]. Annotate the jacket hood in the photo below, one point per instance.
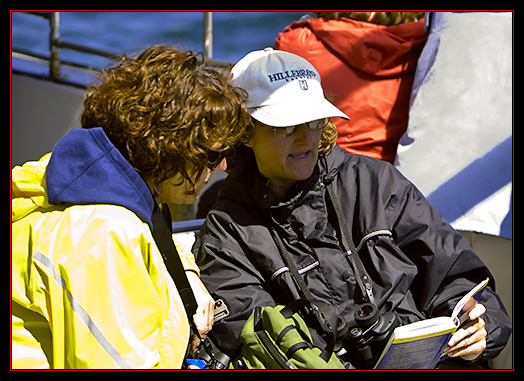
[
  {"x": 375, "y": 49},
  {"x": 85, "y": 168}
]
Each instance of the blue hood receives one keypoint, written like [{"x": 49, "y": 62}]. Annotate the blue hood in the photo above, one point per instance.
[{"x": 85, "y": 168}]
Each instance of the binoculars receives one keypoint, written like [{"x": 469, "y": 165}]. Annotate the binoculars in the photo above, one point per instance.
[{"x": 365, "y": 341}]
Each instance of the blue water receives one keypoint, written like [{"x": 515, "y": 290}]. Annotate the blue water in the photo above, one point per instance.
[{"x": 235, "y": 33}]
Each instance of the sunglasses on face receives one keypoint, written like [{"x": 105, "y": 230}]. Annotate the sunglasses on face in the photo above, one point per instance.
[
  {"x": 285, "y": 132},
  {"x": 214, "y": 158}
]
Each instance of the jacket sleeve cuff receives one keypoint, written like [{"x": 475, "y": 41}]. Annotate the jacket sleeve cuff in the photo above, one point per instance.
[
  {"x": 183, "y": 243},
  {"x": 189, "y": 263}
]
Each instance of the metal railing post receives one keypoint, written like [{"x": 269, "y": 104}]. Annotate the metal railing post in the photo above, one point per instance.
[
  {"x": 54, "y": 37},
  {"x": 56, "y": 44},
  {"x": 208, "y": 34}
]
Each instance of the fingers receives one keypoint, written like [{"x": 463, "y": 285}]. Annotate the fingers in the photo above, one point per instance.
[
  {"x": 195, "y": 342},
  {"x": 203, "y": 319},
  {"x": 470, "y": 352},
  {"x": 204, "y": 316},
  {"x": 477, "y": 311},
  {"x": 468, "y": 342}
]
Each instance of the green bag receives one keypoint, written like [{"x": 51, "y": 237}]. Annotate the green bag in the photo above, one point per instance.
[{"x": 278, "y": 338}]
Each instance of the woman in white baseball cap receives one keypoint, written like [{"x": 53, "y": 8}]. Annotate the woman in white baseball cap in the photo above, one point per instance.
[
  {"x": 290, "y": 114},
  {"x": 288, "y": 192}
]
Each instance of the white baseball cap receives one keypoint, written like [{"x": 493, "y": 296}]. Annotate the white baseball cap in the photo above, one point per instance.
[{"x": 284, "y": 89}]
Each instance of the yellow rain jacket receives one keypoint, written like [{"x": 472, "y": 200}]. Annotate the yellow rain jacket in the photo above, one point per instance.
[{"x": 89, "y": 286}]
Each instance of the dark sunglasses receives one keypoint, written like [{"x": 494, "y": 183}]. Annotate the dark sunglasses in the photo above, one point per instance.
[{"x": 214, "y": 158}]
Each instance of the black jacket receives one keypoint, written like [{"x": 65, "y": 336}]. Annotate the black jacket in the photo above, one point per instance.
[{"x": 419, "y": 265}]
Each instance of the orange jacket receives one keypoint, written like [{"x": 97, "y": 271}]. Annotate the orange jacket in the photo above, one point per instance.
[{"x": 367, "y": 71}]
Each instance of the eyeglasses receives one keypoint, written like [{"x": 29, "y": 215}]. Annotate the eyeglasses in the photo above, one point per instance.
[
  {"x": 214, "y": 158},
  {"x": 286, "y": 132}
]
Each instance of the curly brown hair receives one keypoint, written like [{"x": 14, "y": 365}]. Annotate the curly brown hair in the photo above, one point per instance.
[
  {"x": 242, "y": 157},
  {"x": 164, "y": 110},
  {"x": 381, "y": 18}
]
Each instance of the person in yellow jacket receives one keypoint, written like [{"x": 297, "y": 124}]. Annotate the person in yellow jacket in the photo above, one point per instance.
[{"x": 89, "y": 285}]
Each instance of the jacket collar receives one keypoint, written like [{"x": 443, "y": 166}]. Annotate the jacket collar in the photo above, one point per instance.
[
  {"x": 327, "y": 166},
  {"x": 86, "y": 168},
  {"x": 251, "y": 188},
  {"x": 265, "y": 199}
]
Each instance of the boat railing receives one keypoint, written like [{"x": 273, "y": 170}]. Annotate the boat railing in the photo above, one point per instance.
[
  {"x": 56, "y": 43},
  {"x": 187, "y": 226}
]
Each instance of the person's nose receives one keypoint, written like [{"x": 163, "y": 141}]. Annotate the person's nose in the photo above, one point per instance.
[
  {"x": 303, "y": 136},
  {"x": 222, "y": 166}
]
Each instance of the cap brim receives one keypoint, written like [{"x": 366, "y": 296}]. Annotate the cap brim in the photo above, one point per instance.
[{"x": 281, "y": 115}]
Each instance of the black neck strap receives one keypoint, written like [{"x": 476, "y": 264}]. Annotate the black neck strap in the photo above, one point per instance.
[{"x": 163, "y": 238}]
